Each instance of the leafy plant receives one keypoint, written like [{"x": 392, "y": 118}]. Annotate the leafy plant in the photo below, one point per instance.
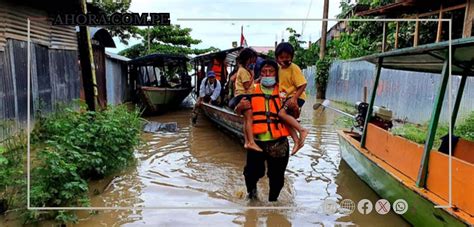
[
  {"x": 12, "y": 150},
  {"x": 466, "y": 128},
  {"x": 417, "y": 133},
  {"x": 74, "y": 147},
  {"x": 322, "y": 75}
]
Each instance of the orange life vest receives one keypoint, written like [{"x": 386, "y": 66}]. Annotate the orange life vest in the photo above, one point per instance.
[
  {"x": 263, "y": 120},
  {"x": 217, "y": 68}
]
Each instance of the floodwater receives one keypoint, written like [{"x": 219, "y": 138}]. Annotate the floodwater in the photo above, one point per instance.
[{"x": 202, "y": 167}]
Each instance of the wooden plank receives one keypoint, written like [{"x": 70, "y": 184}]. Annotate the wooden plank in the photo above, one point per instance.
[
  {"x": 468, "y": 18},
  {"x": 447, "y": 9},
  {"x": 440, "y": 24},
  {"x": 417, "y": 30},
  {"x": 397, "y": 31},
  {"x": 384, "y": 36}
]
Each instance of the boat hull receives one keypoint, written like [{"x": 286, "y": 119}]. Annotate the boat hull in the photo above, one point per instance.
[
  {"x": 159, "y": 99},
  {"x": 224, "y": 118},
  {"x": 421, "y": 212}
]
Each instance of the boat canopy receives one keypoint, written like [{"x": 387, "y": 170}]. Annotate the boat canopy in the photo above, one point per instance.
[
  {"x": 159, "y": 59},
  {"x": 429, "y": 58},
  {"x": 205, "y": 59}
]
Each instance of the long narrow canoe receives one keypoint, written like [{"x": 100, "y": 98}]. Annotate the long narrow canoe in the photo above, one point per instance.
[{"x": 224, "y": 118}]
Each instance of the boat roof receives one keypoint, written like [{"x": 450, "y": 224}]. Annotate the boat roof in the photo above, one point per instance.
[
  {"x": 159, "y": 59},
  {"x": 428, "y": 58},
  {"x": 231, "y": 55}
]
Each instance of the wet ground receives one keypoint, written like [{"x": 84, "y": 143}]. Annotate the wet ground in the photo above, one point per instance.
[{"x": 202, "y": 167}]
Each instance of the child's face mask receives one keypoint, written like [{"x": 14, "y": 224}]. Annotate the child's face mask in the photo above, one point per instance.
[{"x": 284, "y": 59}]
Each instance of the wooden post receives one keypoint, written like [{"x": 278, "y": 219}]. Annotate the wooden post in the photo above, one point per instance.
[
  {"x": 87, "y": 64},
  {"x": 457, "y": 103},
  {"x": 417, "y": 30},
  {"x": 322, "y": 49},
  {"x": 468, "y": 18},
  {"x": 397, "y": 30},
  {"x": 422, "y": 172},
  {"x": 384, "y": 36},
  {"x": 365, "y": 94},
  {"x": 320, "y": 94},
  {"x": 372, "y": 101},
  {"x": 440, "y": 24}
]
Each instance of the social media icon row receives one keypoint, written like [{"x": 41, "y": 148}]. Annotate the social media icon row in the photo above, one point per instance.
[
  {"x": 382, "y": 206},
  {"x": 365, "y": 206}
]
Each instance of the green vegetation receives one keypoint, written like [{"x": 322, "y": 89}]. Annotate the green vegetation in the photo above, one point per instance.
[
  {"x": 12, "y": 158},
  {"x": 68, "y": 149},
  {"x": 344, "y": 122},
  {"x": 417, "y": 133},
  {"x": 466, "y": 128},
  {"x": 164, "y": 39}
]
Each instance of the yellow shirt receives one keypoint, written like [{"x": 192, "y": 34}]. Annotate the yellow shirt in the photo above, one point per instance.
[
  {"x": 243, "y": 75},
  {"x": 290, "y": 79}
]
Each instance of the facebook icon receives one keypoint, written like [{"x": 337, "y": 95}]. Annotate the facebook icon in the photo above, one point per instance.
[{"x": 364, "y": 206}]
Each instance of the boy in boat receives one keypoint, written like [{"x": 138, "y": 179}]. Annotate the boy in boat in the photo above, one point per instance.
[
  {"x": 292, "y": 91},
  {"x": 244, "y": 87},
  {"x": 270, "y": 132}
]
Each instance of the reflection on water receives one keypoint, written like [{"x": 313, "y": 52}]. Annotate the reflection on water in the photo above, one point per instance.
[{"x": 202, "y": 166}]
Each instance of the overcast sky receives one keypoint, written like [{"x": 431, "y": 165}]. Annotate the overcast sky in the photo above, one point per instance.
[{"x": 221, "y": 34}]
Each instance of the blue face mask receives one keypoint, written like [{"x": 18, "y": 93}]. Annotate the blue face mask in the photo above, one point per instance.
[{"x": 268, "y": 81}]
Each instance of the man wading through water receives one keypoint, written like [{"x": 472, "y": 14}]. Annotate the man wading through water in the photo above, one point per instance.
[{"x": 269, "y": 132}]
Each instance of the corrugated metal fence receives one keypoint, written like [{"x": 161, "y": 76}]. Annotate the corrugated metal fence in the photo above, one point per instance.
[
  {"x": 117, "y": 81},
  {"x": 410, "y": 95}
]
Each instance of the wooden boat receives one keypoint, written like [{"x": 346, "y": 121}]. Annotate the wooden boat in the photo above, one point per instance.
[
  {"x": 397, "y": 168},
  {"x": 154, "y": 75},
  {"x": 220, "y": 115}
]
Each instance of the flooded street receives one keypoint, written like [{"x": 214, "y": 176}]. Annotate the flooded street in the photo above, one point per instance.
[{"x": 202, "y": 167}]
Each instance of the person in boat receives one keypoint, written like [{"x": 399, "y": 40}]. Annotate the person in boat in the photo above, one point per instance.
[
  {"x": 210, "y": 89},
  {"x": 271, "y": 134},
  {"x": 292, "y": 91},
  {"x": 217, "y": 64},
  {"x": 163, "y": 80},
  {"x": 229, "y": 87},
  {"x": 244, "y": 86},
  {"x": 209, "y": 92}
]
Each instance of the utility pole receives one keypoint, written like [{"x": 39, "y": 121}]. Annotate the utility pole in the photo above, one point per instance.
[
  {"x": 87, "y": 65},
  {"x": 322, "y": 48},
  {"x": 324, "y": 29}
]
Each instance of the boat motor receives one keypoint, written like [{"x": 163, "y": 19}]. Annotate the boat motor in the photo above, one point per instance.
[{"x": 381, "y": 116}]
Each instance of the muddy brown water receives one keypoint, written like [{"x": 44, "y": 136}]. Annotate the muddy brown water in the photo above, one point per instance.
[{"x": 202, "y": 166}]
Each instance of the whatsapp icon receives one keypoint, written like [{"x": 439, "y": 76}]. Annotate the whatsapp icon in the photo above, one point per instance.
[{"x": 400, "y": 206}]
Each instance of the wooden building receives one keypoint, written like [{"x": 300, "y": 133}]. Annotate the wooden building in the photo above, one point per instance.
[
  {"x": 460, "y": 11},
  {"x": 55, "y": 74}
]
